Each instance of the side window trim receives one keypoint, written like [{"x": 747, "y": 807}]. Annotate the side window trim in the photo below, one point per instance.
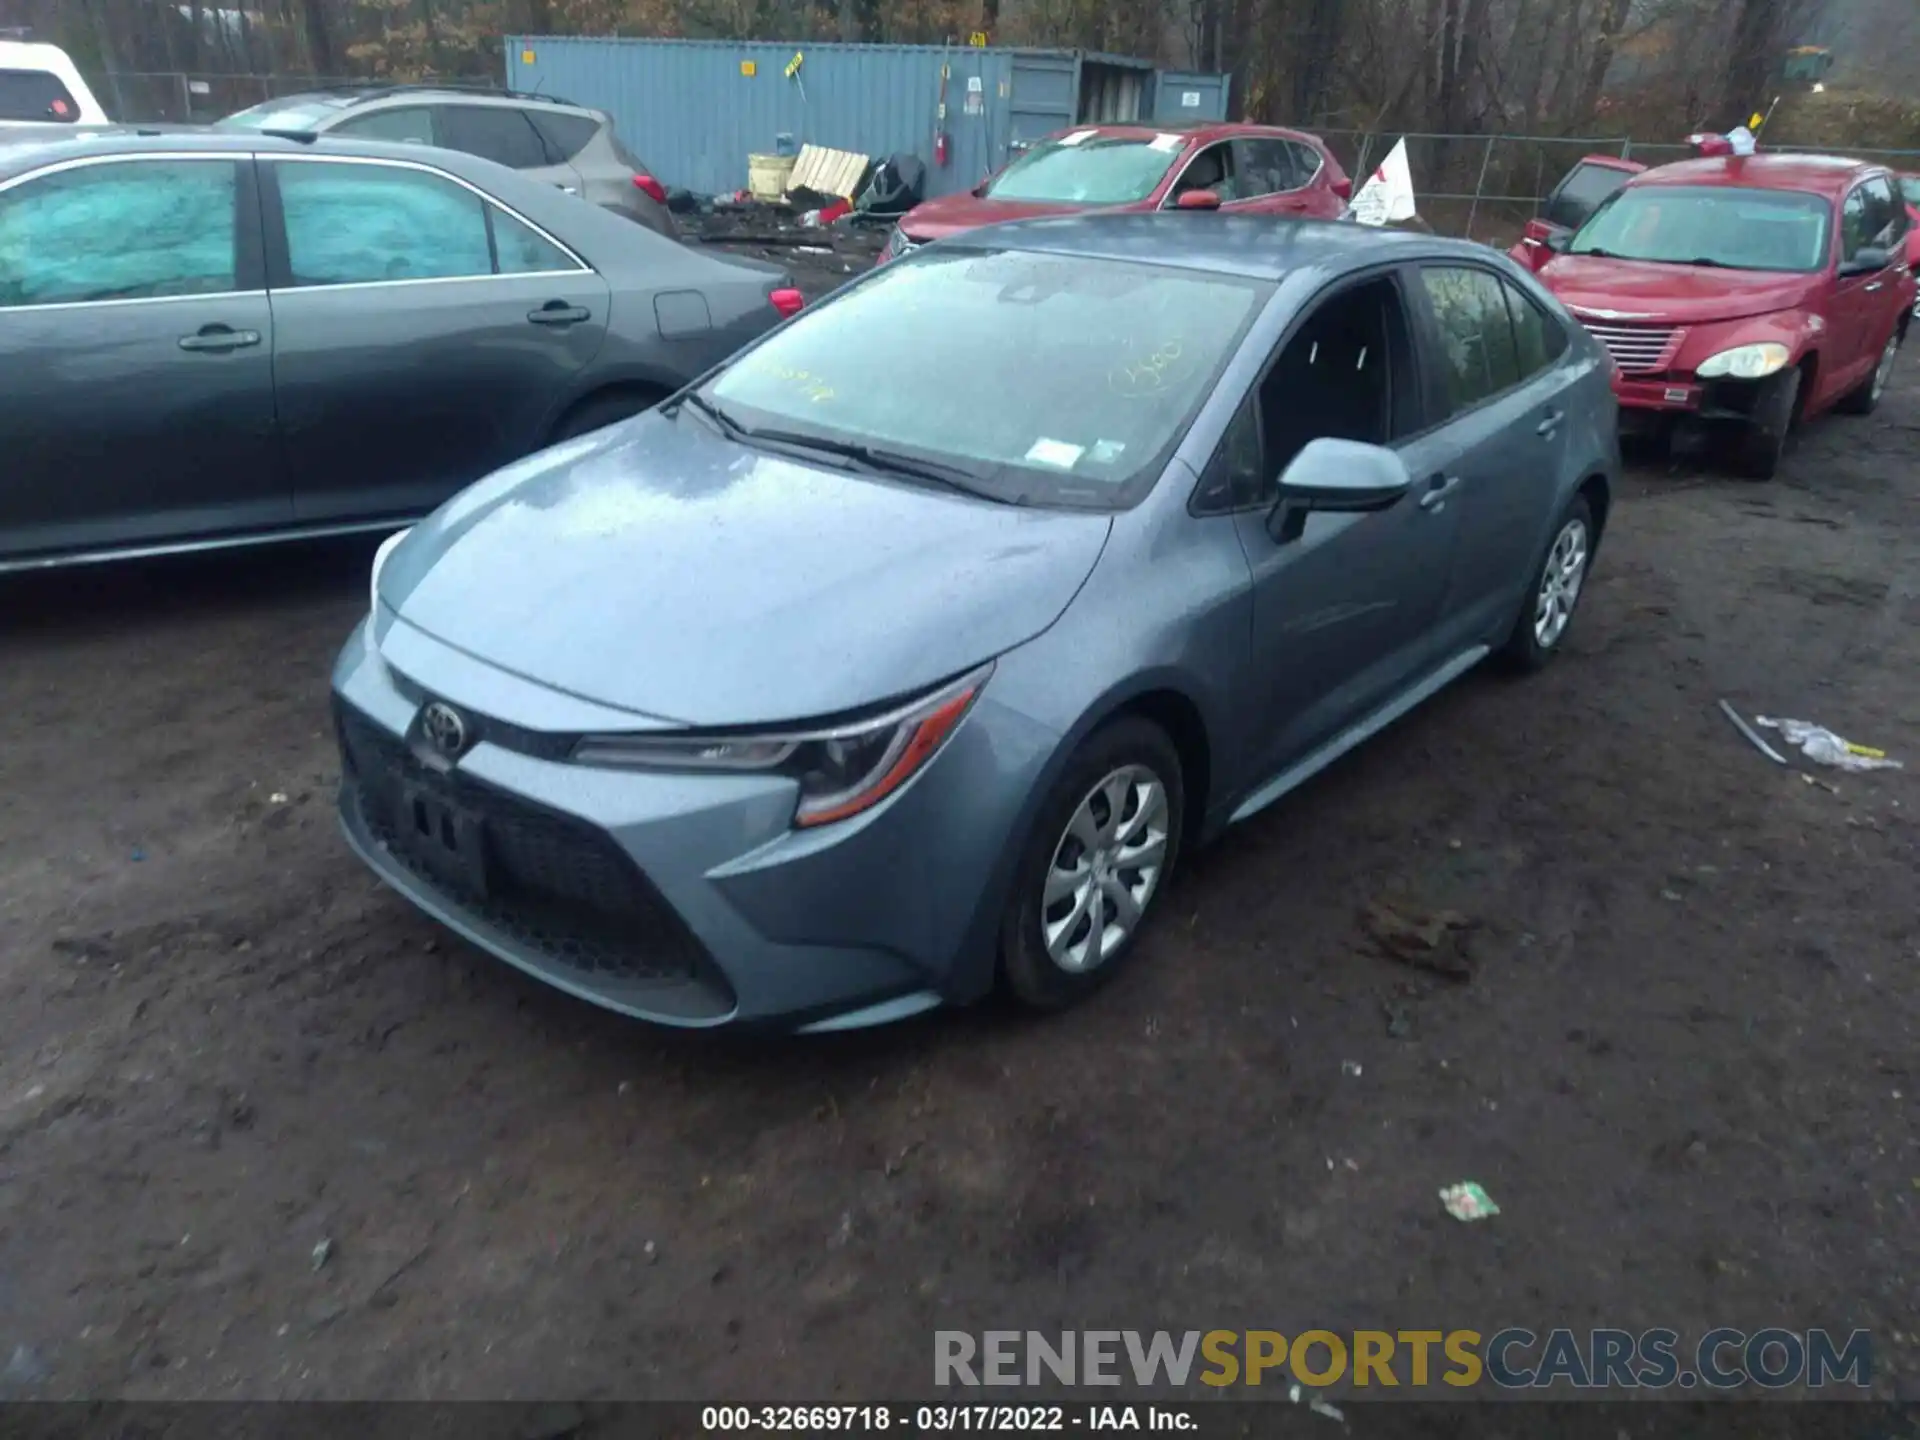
[
  {"x": 248, "y": 258},
  {"x": 1439, "y": 408},
  {"x": 279, "y": 267},
  {"x": 1302, "y": 149},
  {"x": 1847, "y": 248},
  {"x": 1395, "y": 273}
]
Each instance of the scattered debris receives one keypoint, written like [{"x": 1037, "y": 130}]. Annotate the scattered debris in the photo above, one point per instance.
[
  {"x": 1826, "y": 785},
  {"x": 278, "y": 797},
  {"x": 1350, "y": 1068},
  {"x": 1823, "y": 747},
  {"x": 138, "y": 855},
  {"x": 1467, "y": 1201},
  {"x": 322, "y": 1253},
  {"x": 1314, "y": 1403},
  {"x": 1753, "y": 735},
  {"x": 652, "y": 1252},
  {"x": 1436, "y": 942},
  {"x": 1399, "y": 1019}
]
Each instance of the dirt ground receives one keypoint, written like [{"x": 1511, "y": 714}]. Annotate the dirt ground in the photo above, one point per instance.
[{"x": 1685, "y": 1067}]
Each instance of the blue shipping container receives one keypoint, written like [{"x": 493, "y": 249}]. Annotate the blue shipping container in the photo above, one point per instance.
[{"x": 693, "y": 110}]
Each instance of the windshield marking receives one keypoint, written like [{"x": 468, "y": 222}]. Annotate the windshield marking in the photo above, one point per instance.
[{"x": 1055, "y": 452}]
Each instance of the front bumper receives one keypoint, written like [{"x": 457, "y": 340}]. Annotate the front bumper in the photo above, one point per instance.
[
  {"x": 1643, "y": 400},
  {"x": 687, "y": 900}
]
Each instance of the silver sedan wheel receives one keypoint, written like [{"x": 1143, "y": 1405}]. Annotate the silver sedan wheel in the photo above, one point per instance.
[
  {"x": 1105, "y": 869},
  {"x": 1884, "y": 370},
  {"x": 1560, "y": 582}
]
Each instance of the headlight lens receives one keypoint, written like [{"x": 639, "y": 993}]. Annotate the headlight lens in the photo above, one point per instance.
[
  {"x": 387, "y": 547},
  {"x": 841, "y": 771},
  {"x": 1745, "y": 362}
]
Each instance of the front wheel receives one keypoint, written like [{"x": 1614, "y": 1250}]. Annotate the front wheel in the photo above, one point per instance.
[
  {"x": 1555, "y": 590},
  {"x": 1102, "y": 848},
  {"x": 1762, "y": 445}
]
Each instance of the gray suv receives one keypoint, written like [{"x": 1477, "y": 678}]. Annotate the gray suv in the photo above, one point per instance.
[{"x": 568, "y": 146}]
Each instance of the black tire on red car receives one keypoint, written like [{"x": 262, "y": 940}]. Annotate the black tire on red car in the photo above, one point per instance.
[{"x": 1763, "y": 443}]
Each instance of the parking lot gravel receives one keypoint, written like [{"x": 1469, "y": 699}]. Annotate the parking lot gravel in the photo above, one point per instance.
[{"x": 266, "y": 1132}]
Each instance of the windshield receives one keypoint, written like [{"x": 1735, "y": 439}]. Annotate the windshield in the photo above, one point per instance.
[
  {"x": 1722, "y": 225},
  {"x": 300, "y": 112},
  {"x": 1910, "y": 189},
  {"x": 1055, "y": 379},
  {"x": 1087, "y": 168}
]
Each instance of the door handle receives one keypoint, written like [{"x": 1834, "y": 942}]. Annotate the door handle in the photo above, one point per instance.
[
  {"x": 1438, "y": 488},
  {"x": 558, "y": 312},
  {"x": 568, "y": 189},
  {"x": 219, "y": 338},
  {"x": 1550, "y": 424},
  {"x": 1874, "y": 286}
]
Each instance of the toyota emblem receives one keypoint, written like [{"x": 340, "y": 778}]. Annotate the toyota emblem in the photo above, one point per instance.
[{"x": 443, "y": 728}]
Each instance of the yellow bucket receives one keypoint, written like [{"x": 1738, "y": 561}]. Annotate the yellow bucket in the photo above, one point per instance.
[{"x": 767, "y": 175}]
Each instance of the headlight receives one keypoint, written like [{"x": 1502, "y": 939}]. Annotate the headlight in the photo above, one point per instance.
[
  {"x": 387, "y": 547},
  {"x": 896, "y": 246},
  {"x": 841, "y": 771},
  {"x": 1745, "y": 362}
]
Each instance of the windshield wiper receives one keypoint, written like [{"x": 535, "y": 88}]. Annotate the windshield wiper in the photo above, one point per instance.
[
  {"x": 728, "y": 426},
  {"x": 874, "y": 457},
  {"x": 1597, "y": 252},
  {"x": 1711, "y": 263}
]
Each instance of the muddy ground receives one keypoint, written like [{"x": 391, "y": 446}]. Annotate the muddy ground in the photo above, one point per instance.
[{"x": 1685, "y": 1066}]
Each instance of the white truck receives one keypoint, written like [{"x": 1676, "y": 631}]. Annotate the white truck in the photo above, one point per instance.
[{"x": 41, "y": 86}]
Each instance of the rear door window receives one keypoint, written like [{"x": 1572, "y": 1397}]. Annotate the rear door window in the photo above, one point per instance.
[
  {"x": 1538, "y": 338},
  {"x": 1886, "y": 216},
  {"x": 1263, "y": 167},
  {"x": 565, "y": 136},
  {"x": 1478, "y": 356},
  {"x": 37, "y": 95},
  {"x": 500, "y": 133},
  {"x": 413, "y": 124},
  {"x": 351, "y": 224},
  {"x": 132, "y": 230},
  {"x": 1580, "y": 194}
]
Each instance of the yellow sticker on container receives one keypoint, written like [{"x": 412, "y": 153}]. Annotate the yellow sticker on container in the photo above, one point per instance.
[
  {"x": 793, "y": 65},
  {"x": 747, "y": 68},
  {"x": 978, "y": 40},
  {"x": 526, "y": 57}
]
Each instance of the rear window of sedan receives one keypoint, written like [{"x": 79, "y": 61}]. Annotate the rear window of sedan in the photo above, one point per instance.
[
  {"x": 1087, "y": 168},
  {"x": 300, "y": 112},
  {"x": 1051, "y": 379}
]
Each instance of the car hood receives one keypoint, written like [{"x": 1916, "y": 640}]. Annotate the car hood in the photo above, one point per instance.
[
  {"x": 1671, "y": 294},
  {"x": 661, "y": 569},
  {"x": 951, "y": 214}
]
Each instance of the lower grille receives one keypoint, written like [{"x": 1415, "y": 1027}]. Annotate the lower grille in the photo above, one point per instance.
[
  {"x": 554, "y": 884},
  {"x": 1637, "y": 349}
]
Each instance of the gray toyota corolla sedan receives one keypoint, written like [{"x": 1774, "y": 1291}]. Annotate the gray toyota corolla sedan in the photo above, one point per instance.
[{"x": 904, "y": 655}]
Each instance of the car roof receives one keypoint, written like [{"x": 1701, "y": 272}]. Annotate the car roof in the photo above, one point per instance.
[
  {"x": 23, "y": 150},
  {"x": 1816, "y": 174},
  {"x": 345, "y": 96},
  {"x": 1197, "y": 132},
  {"x": 1260, "y": 247}
]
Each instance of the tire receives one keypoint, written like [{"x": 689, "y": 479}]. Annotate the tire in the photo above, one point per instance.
[
  {"x": 1762, "y": 445},
  {"x": 1864, "y": 398},
  {"x": 1534, "y": 641},
  {"x": 1124, "y": 756},
  {"x": 599, "y": 411}
]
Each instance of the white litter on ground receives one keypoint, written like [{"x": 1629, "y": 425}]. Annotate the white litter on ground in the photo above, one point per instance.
[{"x": 1823, "y": 747}]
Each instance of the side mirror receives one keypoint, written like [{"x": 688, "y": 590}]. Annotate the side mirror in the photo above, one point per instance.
[
  {"x": 1558, "y": 241},
  {"x": 1336, "y": 477},
  {"x": 1343, "y": 188},
  {"x": 1198, "y": 200},
  {"x": 1865, "y": 261}
]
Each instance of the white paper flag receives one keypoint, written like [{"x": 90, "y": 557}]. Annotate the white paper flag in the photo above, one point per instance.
[{"x": 1388, "y": 194}]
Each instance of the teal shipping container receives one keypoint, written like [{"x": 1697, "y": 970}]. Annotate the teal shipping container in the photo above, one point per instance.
[{"x": 693, "y": 110}]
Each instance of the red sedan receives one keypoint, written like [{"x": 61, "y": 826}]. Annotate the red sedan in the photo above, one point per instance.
[{"x": 1254, "y": 168}]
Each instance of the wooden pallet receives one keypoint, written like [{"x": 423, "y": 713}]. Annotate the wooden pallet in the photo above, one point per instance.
[{"x": 829, "y": 172}]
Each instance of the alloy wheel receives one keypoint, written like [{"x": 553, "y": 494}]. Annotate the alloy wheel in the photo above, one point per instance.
[
  {"x": 1106, "y": 869},
  {"x": 1560, "y": 581}
]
